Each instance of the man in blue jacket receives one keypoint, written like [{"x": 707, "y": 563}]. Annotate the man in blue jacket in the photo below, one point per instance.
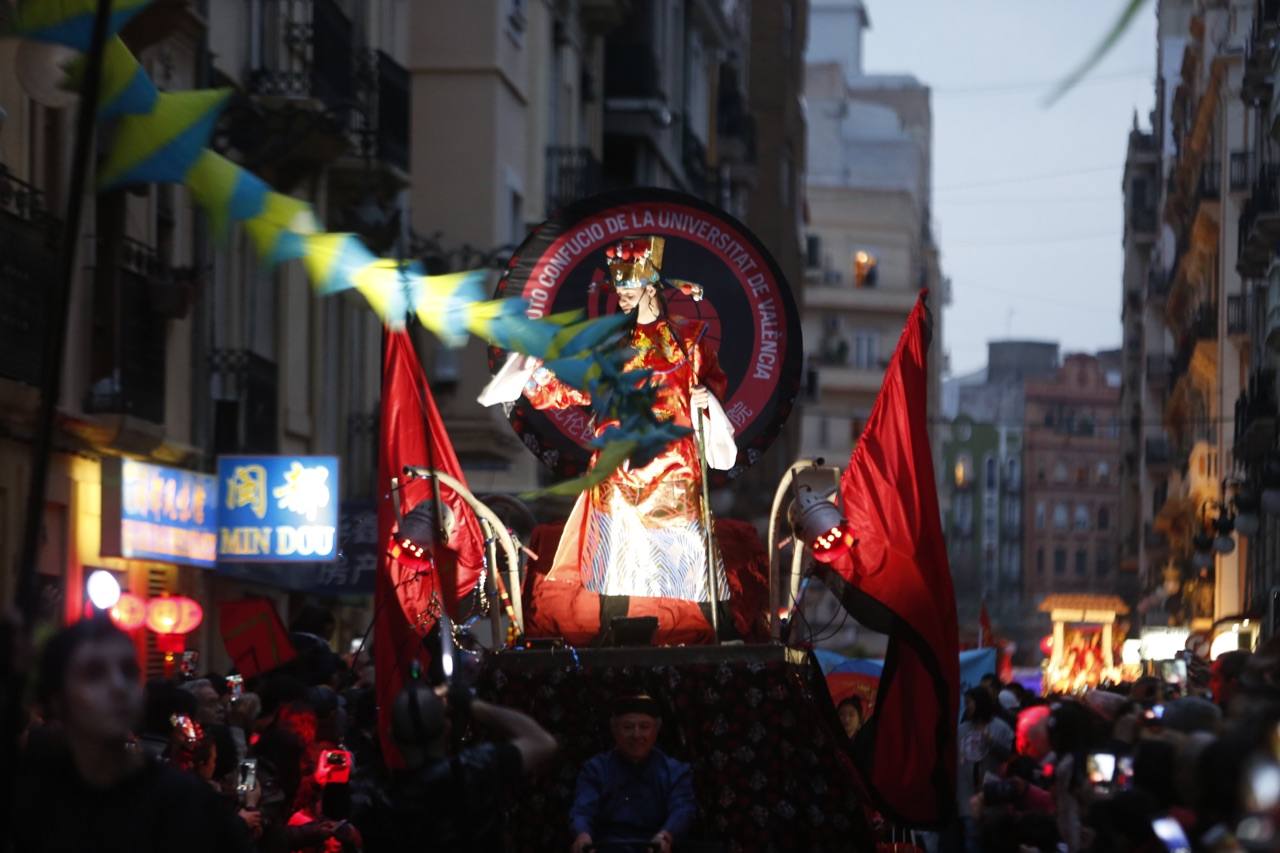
[{"x": 634, "y": 795}]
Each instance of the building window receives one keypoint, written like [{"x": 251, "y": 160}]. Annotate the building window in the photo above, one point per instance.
[
  {"x": 964, "y": 470},
  {"x": 990, "y": 473},
  {"x": 1082, "y": 562},
  {"x": 1104, "y": 564},
  {"x": 1041, "y": 510},
  {"x": 813, "y": 251},
  {"x": 1082, "y": 475},
  {"x": 1104, "y": 473},
  {"x": 1040, "y": 561},
  {"x": 1060, "y": 473},
  {"x": 964, "y": 514},
  {"x": 1012, "y": 512},
  {"x": 1059, "y": 561},
  {"x": 1061, "y": 517},
  {"x": 1040, "y": 474},
  {"x": 865, "y": 346},
  {"x": 1012, "y": 473},
  {"x": 1082, "y": 517},
  {"x": 1104, "y": 518},
  {"x": 989, "y": 526}
]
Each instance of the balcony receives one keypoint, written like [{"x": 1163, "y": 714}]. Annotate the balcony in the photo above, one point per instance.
[
  {"x": 1210, "y": 184},
  {"x": 693, "y": 159},
  {"x": 1260, "y": 223},
  {"x": 1240, "y": 170},
  {"x": 1142, "y": 221},
  {"x": 1157, "y": 452},
  {"x": 572, "y": 174},
  {"x": 29, "y": 251},
  {"x": 129, "y": 334},
  {"x": 880, "y": 300},
  {"x": 1238, "y": 315},
  {"x": 846, "y": 379},
  {"x": 244, "y": 387},
  {"x": 303, "y": 107},
  {"x": 1157, "y": 285},
  {"x": 631, "y": 70},
  {"x": 389, "y": 105},
  {"x": 1256, "y": 416}
]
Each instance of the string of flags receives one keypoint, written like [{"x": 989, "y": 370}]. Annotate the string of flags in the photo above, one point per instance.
[{"x": 162, "y": 138}]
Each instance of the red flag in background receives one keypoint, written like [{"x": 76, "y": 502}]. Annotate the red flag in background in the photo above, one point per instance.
[
  {"x": 985, "y": 637},
  {"x": 407, "y": 599},
  {"x": 896, "y": 580},
  {"x": 255, "y": 637}
]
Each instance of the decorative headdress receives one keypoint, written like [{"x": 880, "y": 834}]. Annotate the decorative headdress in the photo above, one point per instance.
[{"x": 635, "y": 261}]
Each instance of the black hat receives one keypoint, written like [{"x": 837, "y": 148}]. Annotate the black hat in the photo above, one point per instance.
[{"x": 637, "y": 703}]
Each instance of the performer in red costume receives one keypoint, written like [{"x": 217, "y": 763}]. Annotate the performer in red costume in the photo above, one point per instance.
[{"x": 640, "y": 532}]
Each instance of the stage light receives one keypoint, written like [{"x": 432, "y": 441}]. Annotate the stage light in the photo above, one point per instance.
[
  {"x": 820, "y": 524},
  {"x": 104, "y": 589},
  {"x": 417, "y": 531}
]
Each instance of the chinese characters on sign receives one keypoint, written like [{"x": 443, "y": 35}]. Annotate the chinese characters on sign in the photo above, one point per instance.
[
  {"x": 167, "y": 514},
  {"x": 278, "y": 508}
]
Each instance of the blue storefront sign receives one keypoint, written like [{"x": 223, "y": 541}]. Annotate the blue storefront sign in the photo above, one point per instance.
[
  {"x": 151, "y": 512},
  {"x": 350, "y": 574},
  {"x": 278, "y": 509}
]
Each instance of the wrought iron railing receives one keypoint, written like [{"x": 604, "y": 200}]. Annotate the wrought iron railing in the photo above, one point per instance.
[
  {"x": 572, "y": 173},
  {"x": 306, "y": 49},
  {"x": 130, "y": 378},
  {"x": 244, "y": 388}
]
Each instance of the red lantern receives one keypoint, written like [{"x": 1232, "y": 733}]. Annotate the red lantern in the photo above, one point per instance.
[
  {"x": 171, "y": 644},
  {"x": 174, "y": 614},
  {"x": 1046, "y": 645},
  {"x": 129, "y": 613}
]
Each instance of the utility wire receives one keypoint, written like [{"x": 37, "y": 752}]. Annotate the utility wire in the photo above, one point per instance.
[
  {"x": 1026, "y": 179},
  {"x": 1040, "y": 85}
]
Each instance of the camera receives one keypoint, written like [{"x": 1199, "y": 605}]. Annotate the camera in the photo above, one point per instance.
[
  {"x": 246, "y": 777},
  {"x": 1001, "y": 792}
]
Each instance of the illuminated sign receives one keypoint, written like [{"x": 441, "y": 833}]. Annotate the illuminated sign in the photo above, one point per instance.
[
  {"x": 277, "y": 508},
  {"x": 151, "y": 512}
]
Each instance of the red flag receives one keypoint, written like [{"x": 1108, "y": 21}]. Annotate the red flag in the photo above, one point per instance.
[
  {"x": 254, "y": 635},
  {"x": 984, "y": 627},
  {"x": 896, "y": 580},
  {"x": 407, "y": 600}
]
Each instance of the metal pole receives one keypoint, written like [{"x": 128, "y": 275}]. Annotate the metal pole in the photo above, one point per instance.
[
  {"x": 713, "y": 562},
  {"x": 59, "y": 299}
]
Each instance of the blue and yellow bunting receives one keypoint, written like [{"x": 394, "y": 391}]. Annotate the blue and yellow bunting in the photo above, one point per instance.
[
  {"x": 161, "y": 146},
  {"x": 69, "y": 22}
]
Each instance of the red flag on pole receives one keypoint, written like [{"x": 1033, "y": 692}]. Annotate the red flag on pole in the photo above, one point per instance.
[
  {"x": 408, "y": 598},
  {"x": 896, "y": 580},
  {"x": 984, "y": 627}
]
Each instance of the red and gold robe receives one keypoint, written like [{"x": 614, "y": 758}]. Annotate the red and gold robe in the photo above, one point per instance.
[{"x": 640, "y": 532}]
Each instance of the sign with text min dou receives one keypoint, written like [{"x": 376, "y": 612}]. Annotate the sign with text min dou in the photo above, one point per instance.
[
  {"x": 748, "y": 308},
  {"x": 152, "y": 512},
  {"x": 277, "y": 508}
]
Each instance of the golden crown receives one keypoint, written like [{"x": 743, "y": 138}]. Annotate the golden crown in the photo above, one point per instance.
[{"x": 635, "y": 261}]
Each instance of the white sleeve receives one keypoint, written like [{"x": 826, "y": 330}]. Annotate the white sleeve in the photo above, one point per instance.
[
  {"x": 507, "y": 384},
  {"x": 718, "y": 441}
]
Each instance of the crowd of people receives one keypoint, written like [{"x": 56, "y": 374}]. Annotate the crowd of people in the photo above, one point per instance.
[
  {"x": 1139, "y": 766},
  {"x": 292, "y": 760}
]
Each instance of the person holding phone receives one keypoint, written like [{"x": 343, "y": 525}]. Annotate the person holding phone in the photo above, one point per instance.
[
  {"x": 89, "y": 786},
  {"x": 984, "y": 742}
]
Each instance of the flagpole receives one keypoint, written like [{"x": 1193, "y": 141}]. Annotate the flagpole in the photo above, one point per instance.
[{"x": 713, "y": 562}]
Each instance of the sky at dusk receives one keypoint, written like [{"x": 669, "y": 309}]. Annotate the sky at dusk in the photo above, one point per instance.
[{"x": 1027, "y": 198}]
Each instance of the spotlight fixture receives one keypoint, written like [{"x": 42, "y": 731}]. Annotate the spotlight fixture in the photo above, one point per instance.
[
  {"x": 417, "y": 532},
  {"x": 818, "y": 521}
]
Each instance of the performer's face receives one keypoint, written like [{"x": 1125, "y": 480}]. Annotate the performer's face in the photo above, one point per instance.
[
  {"x": 634, "y": 735},
  {"x": 629, "y": 298}
]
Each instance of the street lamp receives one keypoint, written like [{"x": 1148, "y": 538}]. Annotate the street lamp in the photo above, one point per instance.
[{"x": 103, "y": 589}]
